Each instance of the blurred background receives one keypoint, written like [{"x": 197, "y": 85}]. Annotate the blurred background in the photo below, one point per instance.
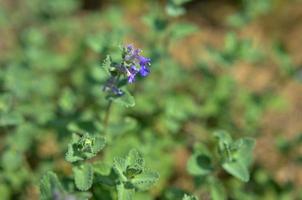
[{"x": 234, "y": 65}]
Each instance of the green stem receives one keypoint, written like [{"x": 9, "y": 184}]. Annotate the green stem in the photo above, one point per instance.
[{"x": 107, "y": 115}]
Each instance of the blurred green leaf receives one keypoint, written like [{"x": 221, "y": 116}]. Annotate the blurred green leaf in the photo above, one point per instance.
[{"x": 83, "y": 176}]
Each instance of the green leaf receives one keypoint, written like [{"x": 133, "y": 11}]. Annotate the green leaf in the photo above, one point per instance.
[
  {"x": 145, "y": 180},
  {"x": 10, "y": 119},
  {"x": 245, "y": 152},
  {"x": 134, "y": 158},
  {"x": 120, "y": 166},
  {"x": 199, "y": 165},
  {"x": 216, "y": 189},
  {"x": 83, "y": 176},
  {"x": 98, "y": 144},
  {"x": 200, "y": 162},
  {"x": 84, "y": 147},
  {"x": 106, "y": 65},
  {"x": 237, "y": 169},
  {"x": 124, "y": 193},
  {"x": 126, "y": 99},
  {"x": 189, "y": 197},
  {"x": 11, "y": 160},
  {"x": 49, "y": 186}
]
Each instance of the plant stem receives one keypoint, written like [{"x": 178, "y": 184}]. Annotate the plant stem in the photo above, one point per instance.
[{"x": 107, "y": 115}]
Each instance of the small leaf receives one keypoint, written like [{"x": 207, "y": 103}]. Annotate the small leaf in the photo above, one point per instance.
[
  {"x": 50, "y": 186},
  {"x": 238, "y": 170},
  {"x": 199, "y": 165},
  {"x": 83, "y": 176},
  {"x": 84, "y": 147},
  {"x": 106, "y": 65},
  {"x": 70, "y": 155},
  {"x": 134, "y": 158},
  {"x": 145, "y": 180},
  {"x": 120, "y": 166},
  {"x": 98, "y": 144}
]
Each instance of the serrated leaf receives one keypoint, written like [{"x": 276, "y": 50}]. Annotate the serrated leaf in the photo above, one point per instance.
[
  {"x": 49, "y": 186},
  {"x": 120, "y": 166},
  {"x": 83, "y": 176},
  {"x": 124, "y": 193},
  {"x": 84, "y": 147},
  {"x": 134, "y": 158},
  {"x": 70, "y": 155},
  {"x": 106, "y": 65},
  {"x": 145, "y": 180},
  {"x": 98, "y": 144}
]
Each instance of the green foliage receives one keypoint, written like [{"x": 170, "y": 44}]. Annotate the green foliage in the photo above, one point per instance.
[
  {"x": 83, "y": 176},
  {"x": 55, "y": 58},
  {"x": 50, "y": 186},
  {"x": 84, "y": 147},
  {"x": 199, "y": 163},
  {"x": 133, "y": 175},
  {"x": 235, "y": 49},
  {"x": 236, "y": 155},
  {"x": 249, "y": 11}
]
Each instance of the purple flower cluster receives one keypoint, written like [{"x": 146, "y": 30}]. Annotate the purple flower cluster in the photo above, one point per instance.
[
  {"x": 135, "y": 63},
  {"x": 132, "y": 64}
]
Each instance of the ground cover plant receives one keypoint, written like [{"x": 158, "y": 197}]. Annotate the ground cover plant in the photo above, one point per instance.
[{"x": 163, "y": 100}]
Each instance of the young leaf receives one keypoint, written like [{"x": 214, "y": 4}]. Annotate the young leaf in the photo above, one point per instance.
[
  {"x": 120, "y": 166},
  {"x": 236, "y": 156},
  {"x": 83, "y": 176},
  {"x": 237, "y": 169},
  {"x": 145, "y": 180},
  {"x": 50, "y": 186},
  {"x": 134, "y": 158},
  {"x": 84, "y": 147}
]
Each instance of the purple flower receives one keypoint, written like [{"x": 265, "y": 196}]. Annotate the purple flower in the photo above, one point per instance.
[
  {"x": 144, "y": 61},
  {"x": 111, "y": 86},
  {"x": 144, "y": 71},
  {"x": 132, "y": 73},
  {"x": 135, "y": 63}
]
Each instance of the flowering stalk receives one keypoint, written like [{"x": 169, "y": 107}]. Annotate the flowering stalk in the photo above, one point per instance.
[{"x": 123, "y": 73}]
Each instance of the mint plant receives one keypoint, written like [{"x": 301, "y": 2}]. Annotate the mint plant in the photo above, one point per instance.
[{"x": 130, "y": 173}]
